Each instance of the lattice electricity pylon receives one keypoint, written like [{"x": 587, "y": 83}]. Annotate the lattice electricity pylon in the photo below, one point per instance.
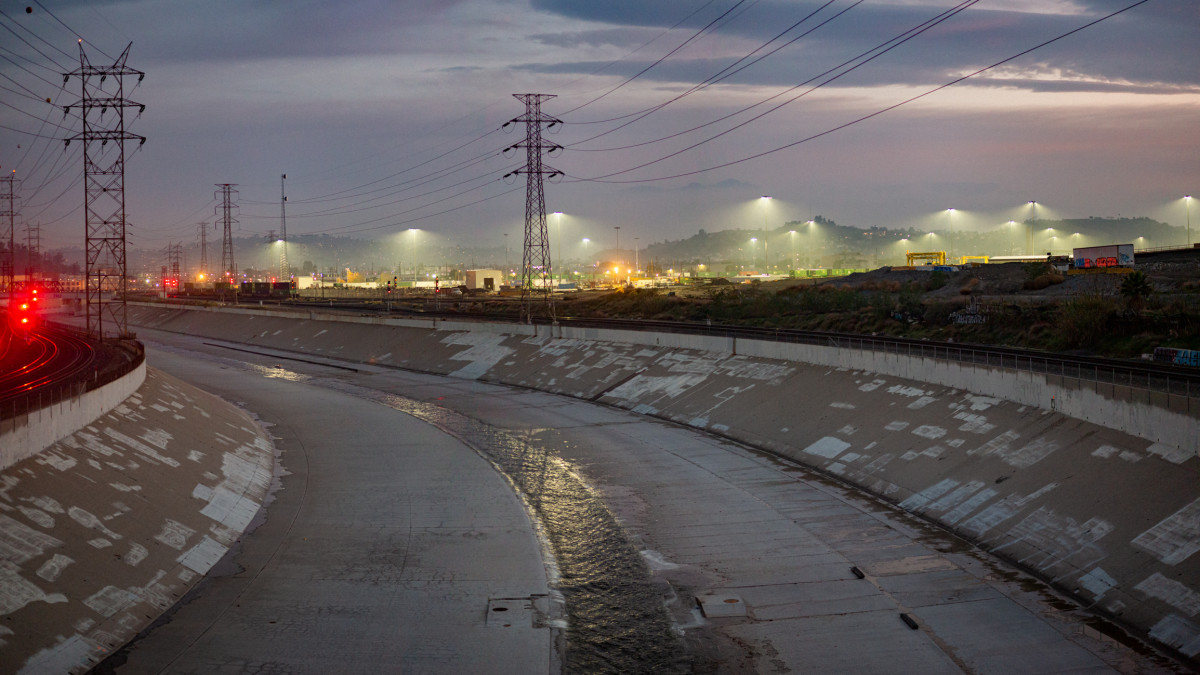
[
  {"x": 536, "y": 270},
  {"x": 174, "y": 261},
  {"x": 225, "y": 210},
  {"x": 8, "y": 233},
  {"x": 104, "y": 187},
  {"x": 33, "y": 253},
  {"x": 203, "y": 229}
]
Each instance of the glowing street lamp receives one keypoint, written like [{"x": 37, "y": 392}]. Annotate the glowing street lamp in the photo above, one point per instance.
[
  {"x": 950, "y": 217},
  {"x": 1187, "y": 207},
  {"x": 766, "y": 261}
]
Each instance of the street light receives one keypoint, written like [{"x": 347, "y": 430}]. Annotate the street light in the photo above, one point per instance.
[
  {"x": 1187, "y": 207},
  {"x": 766, "y": 261},
  {"x": 558, "y": 253},
  {"x": 950, "y": 217}
]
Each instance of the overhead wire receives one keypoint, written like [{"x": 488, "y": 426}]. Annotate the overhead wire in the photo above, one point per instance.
[{"x": 865, "y": 117}]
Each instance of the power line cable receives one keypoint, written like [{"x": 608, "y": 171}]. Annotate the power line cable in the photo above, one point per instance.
[{"x": 872, "y": 115}]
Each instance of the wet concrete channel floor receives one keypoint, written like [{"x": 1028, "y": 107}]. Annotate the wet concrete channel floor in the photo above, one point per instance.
[{"x": 671, "y": 550}]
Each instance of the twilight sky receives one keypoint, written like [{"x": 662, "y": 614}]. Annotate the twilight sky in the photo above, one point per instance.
[{"x": 386, "y": 115}]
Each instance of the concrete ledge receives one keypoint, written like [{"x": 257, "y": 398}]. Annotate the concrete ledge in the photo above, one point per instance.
[{"x": 26, "y": 435}]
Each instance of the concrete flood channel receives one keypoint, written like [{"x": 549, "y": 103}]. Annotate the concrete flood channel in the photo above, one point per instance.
[{"x": 1062, "y": 498}]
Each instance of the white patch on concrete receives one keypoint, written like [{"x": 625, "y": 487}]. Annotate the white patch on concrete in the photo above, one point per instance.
[
  {"x": 1003, "y": 510},
  {"x": 136, "y": 554},
  {"x": 157, "y": 437},
  {"x": 1105, "y": 451},
  {"x": 20, "y": 543},
  {"x": 56, "y": 460},
  {"x": 976, "y": 424},
  {"x": 999, "y": 444},
  {"x": 848, "y": 430},
  {"x": 47, "y": 504},
  {"x": 1130, "y": 456},
  {"x": 16, "y": 592},
  {"x": 644, "y": 386},
  {"x": 121, "y": 487},
  {"x": 955, "y": 497},
  {"x": 850, "y": 457},
  {"x": 918, "y": 500},
  {"x": 929, "y": 431},
  {"x": 321, "y": 332},
  {"x": 62, "y": 657},
  {"x": 921, "y": 402},
  {"x": 982, "y": 402},
  {"x": 828, "y": 447},
  {"x": 837, "y": 468},
  {"x": 99, "y": 542},
  {"x": 720, "y": 427},
  {"x": 1176, "y": 537},
  {"x": 902, "y": 390},
  {"x": 842, "y": 406},
  {"x": 110, "y": 600},
  {"x": 484, "y": 350},
  {"x": 964, "y": 509},
  {"x": 1171, "y": 592},
  {"x": 202, "y": 492},
  {"x": 872, "y": 385},
  {"x": 1175, "y": 631},
  {"x": 699, "y": 422},
  {"x": 38, "y": 516},
  {"x": 54, "y": 567},
  {"x": 1171, "y": 453},
  {"x": 898, "y": 425},
  {"x": 1030, "y": 454},
  {"x": 140, "y": 448},
  {"x": 90, "y": 521},
  {"x": 1058, "y": 541},
  {"x": 174, "y": 534},
  {"x": 201, "y": 557},
  {"x": 1097, "y": 582}
]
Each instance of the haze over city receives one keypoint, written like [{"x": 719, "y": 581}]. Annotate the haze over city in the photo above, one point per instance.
[{"x": 388, "y": 116}]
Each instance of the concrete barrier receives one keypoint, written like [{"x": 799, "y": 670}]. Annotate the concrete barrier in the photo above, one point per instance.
[
  {"x": 26, "y": 435},
  {"x": 1090, "y": 487}
]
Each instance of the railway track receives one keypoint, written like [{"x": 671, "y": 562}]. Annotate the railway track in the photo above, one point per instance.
[{"x": 53, "y": 357}]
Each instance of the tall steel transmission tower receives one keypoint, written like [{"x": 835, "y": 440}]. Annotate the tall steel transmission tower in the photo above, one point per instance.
[
  {"x": 283, "y": 263},
  {"x": 33, "y": 248},
  {"x": 536, "y": 269},
  {"x": 175, "y": 261},
  {"x": 103, "y": 90},
  {"x": 228, "y": 268},
  {"x": 8, "y": 221},
  {"x": 203, "y": 229}
]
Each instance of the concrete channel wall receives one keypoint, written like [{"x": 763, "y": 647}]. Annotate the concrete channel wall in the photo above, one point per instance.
[
  {"x": 1096, "y": 494},
  {"x": 108, "y": 527},
  {"x": 26, "y": 435}
]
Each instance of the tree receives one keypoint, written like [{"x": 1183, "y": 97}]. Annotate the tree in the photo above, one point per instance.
[{"x": 1135, "y": 288}]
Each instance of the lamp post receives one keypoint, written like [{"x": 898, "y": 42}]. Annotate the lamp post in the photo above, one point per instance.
[
  {"x": 558, "y": 253},
  {"x": 950, "y": 217},
  {"x": 766, "y": 259},
  {"x": 1187, "y": 207},
  {"x": 618, "y": 229}
]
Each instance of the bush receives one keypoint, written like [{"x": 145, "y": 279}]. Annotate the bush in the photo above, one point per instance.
[
  {"x": 937, "y": 279},
  {"x": 1084, "y": 321}
]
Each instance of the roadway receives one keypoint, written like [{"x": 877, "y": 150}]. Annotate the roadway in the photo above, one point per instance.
[{"x": 397, "y": 535}]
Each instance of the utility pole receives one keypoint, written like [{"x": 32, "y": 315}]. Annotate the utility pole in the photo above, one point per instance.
[
  {"x": 228, "y": 267},
  {"x": 284, "y": 272},
  {"x": 535, "y": 264},
  {"x": 33, "y": 246},
  {"x": 203, "y": 228},
  {"x": 8, "y": 215},
  {"x": 104, "y": 187}
]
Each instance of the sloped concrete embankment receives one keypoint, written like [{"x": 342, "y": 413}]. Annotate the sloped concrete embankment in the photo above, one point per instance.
[
  {"x": 25, "y": 435},
  {"x": 1110, "y": 516},
  {"x": 107, "y": 528}
]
